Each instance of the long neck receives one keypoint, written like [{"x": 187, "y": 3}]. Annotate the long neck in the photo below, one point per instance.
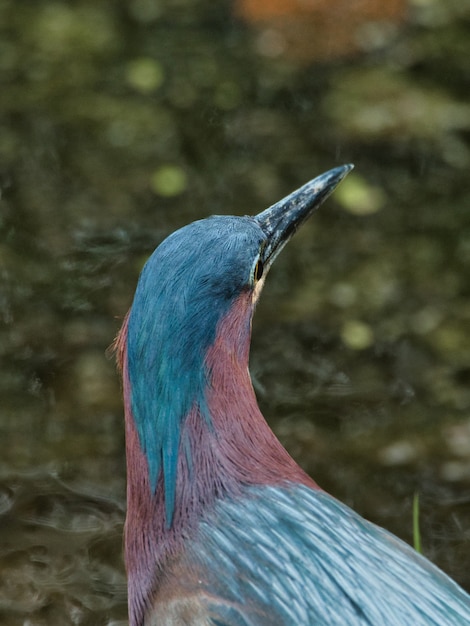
[
  {"x": 218, "y": 457},
  {"x": 248, "y": 451}
]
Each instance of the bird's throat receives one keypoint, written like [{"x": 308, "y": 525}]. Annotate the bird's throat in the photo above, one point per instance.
[
  {"x": 220, "y": 454},
  {"x": 248, "y": 451}
]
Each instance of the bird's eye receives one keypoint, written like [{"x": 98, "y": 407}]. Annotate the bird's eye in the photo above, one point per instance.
[{"x": 258, "y": 270}]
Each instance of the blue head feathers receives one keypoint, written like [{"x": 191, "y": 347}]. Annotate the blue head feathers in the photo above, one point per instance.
[{"x": 186, "y": 286}]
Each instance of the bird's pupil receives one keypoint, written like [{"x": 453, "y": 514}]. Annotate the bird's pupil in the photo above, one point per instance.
[{"x": 258, "y": 270}]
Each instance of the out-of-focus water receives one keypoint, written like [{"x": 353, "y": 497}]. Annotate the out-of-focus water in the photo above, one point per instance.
[{"x": 123, "y": 121}]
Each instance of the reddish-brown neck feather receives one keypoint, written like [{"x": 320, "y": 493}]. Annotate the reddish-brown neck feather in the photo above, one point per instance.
[
  {"x": 234, "y": 449},
  {"x": 249, "y": 451}
]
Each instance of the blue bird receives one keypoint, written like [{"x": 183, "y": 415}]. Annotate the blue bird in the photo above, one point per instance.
[{"x": 223, "y": 528}]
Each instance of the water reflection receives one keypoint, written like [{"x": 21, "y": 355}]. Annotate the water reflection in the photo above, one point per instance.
[{"x": 60, "y": 554}]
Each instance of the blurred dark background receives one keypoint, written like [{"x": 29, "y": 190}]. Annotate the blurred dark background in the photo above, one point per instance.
[{"x": 122, "y": 120}]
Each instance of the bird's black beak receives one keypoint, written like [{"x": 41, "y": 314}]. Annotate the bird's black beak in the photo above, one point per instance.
[{"x": 282, "y": 219}]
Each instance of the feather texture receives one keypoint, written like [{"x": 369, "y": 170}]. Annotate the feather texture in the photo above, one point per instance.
[
  {"x": 223, "y": 527},
  {"x": 182, "y": 293},
  {"x": 278, "y": 556}
]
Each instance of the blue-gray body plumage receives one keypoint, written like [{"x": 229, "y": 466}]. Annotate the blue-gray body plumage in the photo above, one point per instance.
[{"x": 278, "y": 556}]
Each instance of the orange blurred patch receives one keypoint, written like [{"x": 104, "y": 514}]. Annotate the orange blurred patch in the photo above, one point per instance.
[{"x": 320, "y": 29}]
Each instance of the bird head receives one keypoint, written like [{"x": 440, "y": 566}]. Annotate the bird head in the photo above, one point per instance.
[{"x": 193, "y": 280}]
